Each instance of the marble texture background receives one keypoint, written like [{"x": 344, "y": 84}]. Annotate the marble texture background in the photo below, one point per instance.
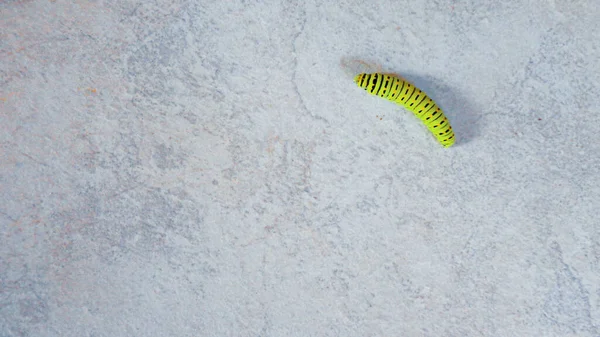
[{"x": 208, "y": 168}]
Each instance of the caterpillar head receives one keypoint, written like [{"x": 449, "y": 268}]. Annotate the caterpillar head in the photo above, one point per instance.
[{"x": 358, "y": 78}]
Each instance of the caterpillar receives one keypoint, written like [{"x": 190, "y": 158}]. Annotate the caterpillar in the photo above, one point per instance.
[{"x": 412, "y": 98}]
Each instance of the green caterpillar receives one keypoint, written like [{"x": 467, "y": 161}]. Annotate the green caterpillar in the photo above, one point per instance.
[{"x": 402, "y": 92}]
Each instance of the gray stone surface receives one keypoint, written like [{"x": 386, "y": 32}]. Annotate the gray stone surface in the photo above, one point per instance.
[{"x": 208, "y": 168}]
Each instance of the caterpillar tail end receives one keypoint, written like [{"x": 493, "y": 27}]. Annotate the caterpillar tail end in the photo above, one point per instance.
[{"x": 448, "y": 144}]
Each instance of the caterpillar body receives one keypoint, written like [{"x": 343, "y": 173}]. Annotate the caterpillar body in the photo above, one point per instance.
[{"x": 406, "y": 94}]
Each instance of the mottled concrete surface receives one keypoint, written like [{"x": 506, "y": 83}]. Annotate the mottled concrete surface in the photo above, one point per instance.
[{"x": 205, "y": 168}]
